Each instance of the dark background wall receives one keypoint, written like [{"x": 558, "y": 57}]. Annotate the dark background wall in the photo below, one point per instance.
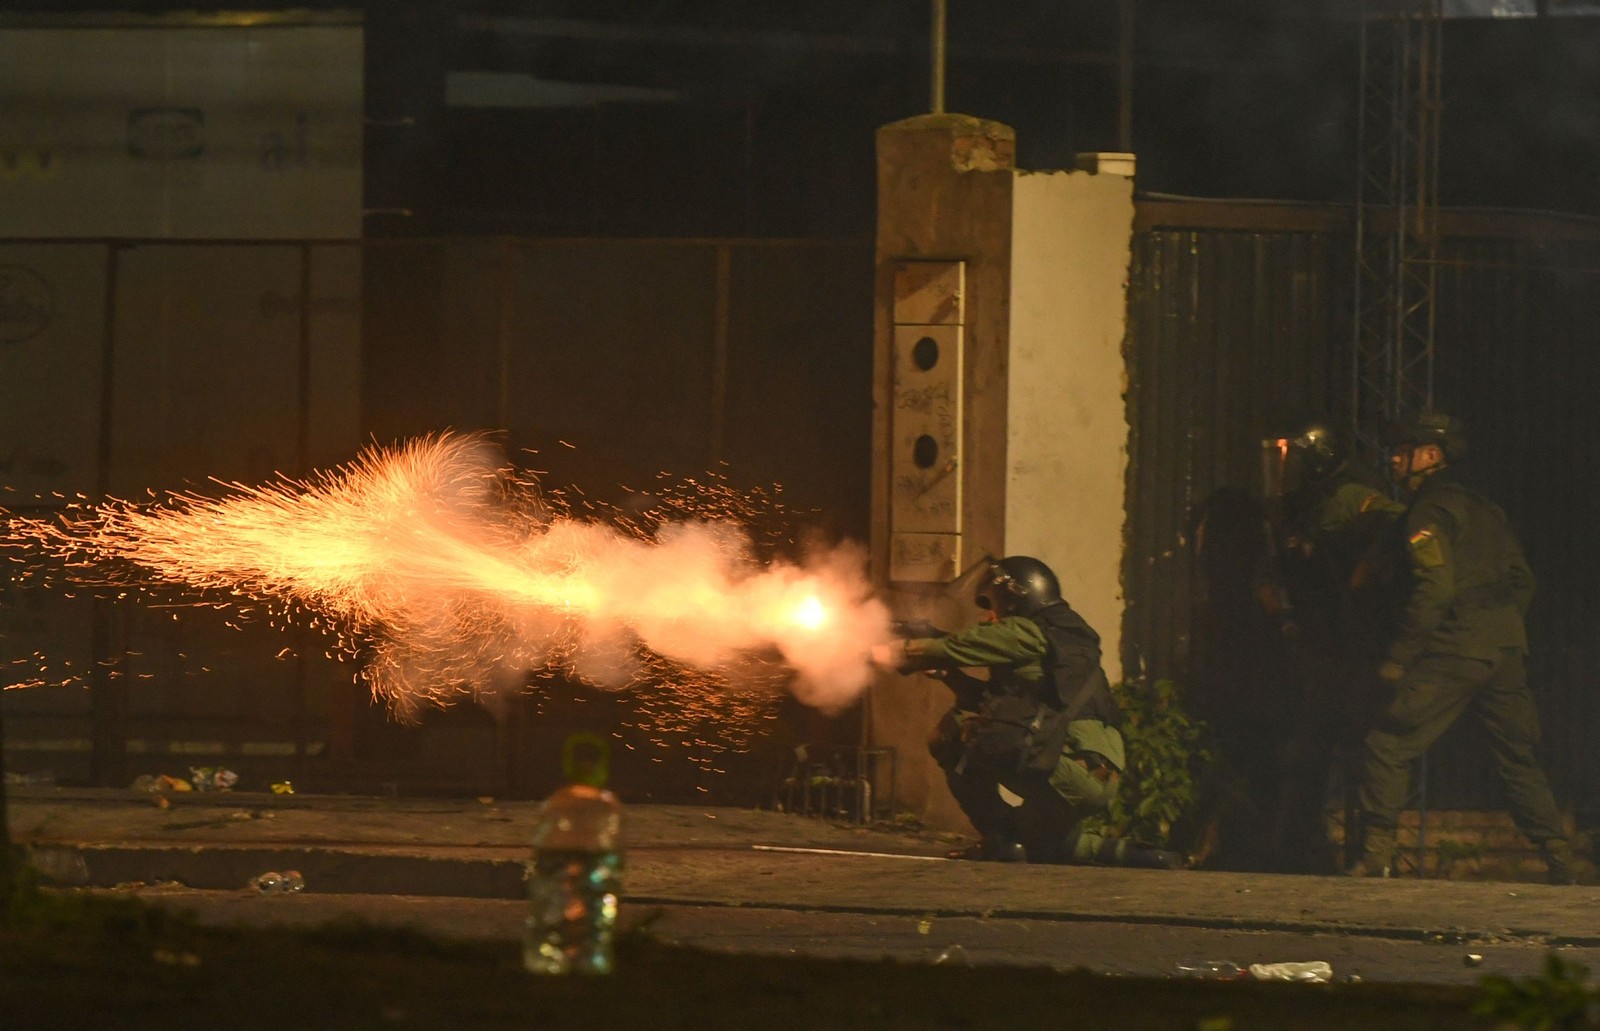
[{"x": 764, "y": 117}]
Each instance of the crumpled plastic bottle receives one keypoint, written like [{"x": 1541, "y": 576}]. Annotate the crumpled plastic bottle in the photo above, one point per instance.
[
  {"x": 274, "y": 883},
  {"x": 1313, "y": 972},
  {"x": 574, "y": 875},
  {"x": 1214, "y": 969}
]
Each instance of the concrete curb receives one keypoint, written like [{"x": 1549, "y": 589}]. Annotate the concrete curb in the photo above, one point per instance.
[
  {"x": 399, "y": 872},
  {"x": 326, "y": 870}
]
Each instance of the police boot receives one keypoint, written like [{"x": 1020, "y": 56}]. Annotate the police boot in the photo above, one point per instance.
[
  {"x": 1376, "y": 856},
  {"x": 993, "y": 850},
  {"x": 1562, "y": 866}
]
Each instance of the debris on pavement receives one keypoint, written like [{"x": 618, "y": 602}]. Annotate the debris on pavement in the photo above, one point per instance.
[
  {"x": 159, "y": 782},
  {"x": 274, "y": 883},
  {"x": 212, "y": 778},
  {"x": 1214, "y": 969},
  {"x": 1314, "y": 972}
]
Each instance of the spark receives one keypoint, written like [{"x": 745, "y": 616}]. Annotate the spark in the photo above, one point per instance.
[{"x": 449, "y": 574}]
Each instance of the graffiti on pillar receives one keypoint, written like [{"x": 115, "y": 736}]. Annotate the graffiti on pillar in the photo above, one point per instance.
[{"x": 926, "y": 427}]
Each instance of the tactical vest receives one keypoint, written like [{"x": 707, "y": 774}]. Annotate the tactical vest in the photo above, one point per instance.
[
  {"x": 1028, "y": 726},
  {"x": 1074, "y": 645}
]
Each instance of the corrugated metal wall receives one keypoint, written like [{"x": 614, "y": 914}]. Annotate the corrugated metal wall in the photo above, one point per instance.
[
  {"x": 1239, "y": 318},
  {"x": 154, "y": 365},
  {"x": 646, "y": 356},
  {"x": 745, "y": 358}
]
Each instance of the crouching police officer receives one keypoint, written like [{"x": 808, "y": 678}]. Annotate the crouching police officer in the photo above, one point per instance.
[
  {"x": 1461, "y": 644},
  {"x": 1043, "y": 724}
]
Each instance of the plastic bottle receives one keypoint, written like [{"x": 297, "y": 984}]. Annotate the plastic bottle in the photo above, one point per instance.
[
  {"x": 574, "y": 875},
  {"x": 1314, "y": 972},
  {"x": 274, "y": 883}
]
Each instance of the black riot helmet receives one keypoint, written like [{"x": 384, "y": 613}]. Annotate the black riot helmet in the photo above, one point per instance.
[
  {"x": 1313, "y": 453},
  {"x": 1018, "y": 586},
  {"x": 1446, "y": 431}
]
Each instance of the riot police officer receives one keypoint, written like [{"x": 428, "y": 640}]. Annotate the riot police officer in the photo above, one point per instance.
[
  {"x": 1332, "y": 572},
  {"x": 1044, "y": 724},
  {"x": 1461, "y": 643}
]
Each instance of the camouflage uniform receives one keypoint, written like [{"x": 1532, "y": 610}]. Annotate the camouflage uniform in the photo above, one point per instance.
[{"x": 1063, "y": 770}]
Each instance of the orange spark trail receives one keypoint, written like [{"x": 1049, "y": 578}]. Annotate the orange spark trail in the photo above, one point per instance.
[{"x": 444, "y": 572}]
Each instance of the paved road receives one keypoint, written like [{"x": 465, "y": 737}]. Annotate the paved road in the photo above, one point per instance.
[
  {"x": 1102, "y": 946},
  {"x": 744, "y": 880}
]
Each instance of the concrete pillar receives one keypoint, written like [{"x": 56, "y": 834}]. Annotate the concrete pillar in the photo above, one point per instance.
[{"x": 999, "y": 426}]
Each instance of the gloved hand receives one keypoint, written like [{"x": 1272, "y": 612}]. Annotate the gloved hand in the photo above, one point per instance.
[{"x": 888, "y": 656}]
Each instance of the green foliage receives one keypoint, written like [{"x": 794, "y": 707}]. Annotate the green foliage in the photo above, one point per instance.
[
  {"x": 1452, "y": 853},
  {"x": 1166, "y": 758},
  {"x": 1557, "y": 1000}
]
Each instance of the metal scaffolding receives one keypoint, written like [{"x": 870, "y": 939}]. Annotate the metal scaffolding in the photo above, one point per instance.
[
  {"x": 1396, "y": 243},
  {"x": 1397, "y": 213}
]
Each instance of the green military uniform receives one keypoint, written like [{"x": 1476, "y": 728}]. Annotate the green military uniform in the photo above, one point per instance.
[
  {"x": 1331, "y": 568},
  {"x": 1064, "y": 770},
  {"x": 1461, "y": 644},
  {"x": 1352, "y": 500}
]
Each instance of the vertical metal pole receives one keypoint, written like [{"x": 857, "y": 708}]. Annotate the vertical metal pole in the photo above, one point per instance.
[
  {"x": 936, "y": 43},
  {"x": 1359, "y": 298},
  {"x": 302, "y": 442},
  {"x": 1125, "y": 76},
  {"x": 1433, "y": 97},
  {"x": 302, "y": 462},
  {"x": 1422, "y": 812},
  {"x": 1401, "y": 102},
  {"x": 108, "y": 687},
  {"x": 508, "y": 316},
  {"x": 506, "y": 725},
  {"x": 719, "y": 352}
]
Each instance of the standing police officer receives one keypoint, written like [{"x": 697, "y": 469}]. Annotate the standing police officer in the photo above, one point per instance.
[
  {"x": 1330, "y": 587},
  {"x": 1043, "y": 724},
  {"x": 1461, "y": 643}
]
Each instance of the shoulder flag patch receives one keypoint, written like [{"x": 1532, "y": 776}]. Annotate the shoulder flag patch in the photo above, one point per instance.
[{"x": 1426, "y": 551}]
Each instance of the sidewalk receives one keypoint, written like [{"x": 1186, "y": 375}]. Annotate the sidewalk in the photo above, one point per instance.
[{"x": 736, "y": 858}]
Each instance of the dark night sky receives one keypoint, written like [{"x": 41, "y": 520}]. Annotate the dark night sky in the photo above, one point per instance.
[
  {"x": 771, "y": 132},
  {"x": 1231, "y": 99}
]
